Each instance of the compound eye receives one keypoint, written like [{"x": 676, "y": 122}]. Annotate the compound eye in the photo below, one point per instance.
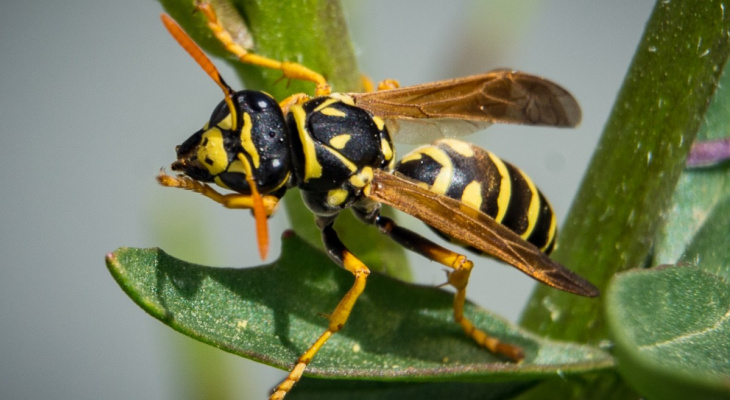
[
  {"x": 211, "y": 152},
  {"x": 260, "y": 102}
]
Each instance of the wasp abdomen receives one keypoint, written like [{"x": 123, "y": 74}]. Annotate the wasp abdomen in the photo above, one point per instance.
[{"x": 483, "y": 181}]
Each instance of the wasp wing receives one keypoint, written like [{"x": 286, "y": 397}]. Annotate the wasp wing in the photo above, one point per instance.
[
  {"x": 456, "y": 107},
  {"x": 475, "y": 229}
]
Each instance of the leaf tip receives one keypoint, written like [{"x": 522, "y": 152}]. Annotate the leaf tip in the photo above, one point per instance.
[{"x": 111, "y": 260}]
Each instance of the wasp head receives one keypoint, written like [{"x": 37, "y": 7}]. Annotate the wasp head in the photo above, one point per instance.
[{"x": 214, "y": 153}]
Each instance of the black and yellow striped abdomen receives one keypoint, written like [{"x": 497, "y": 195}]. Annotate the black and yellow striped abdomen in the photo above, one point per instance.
[{"x": 483, "y": 181}]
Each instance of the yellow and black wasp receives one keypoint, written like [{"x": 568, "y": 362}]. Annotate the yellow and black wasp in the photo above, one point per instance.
[{"x": 338, "y": 150}]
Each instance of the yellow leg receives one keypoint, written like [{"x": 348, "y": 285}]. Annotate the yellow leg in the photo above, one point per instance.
[
  {"x": 387, "y": 84},
  {"x": 290, "y": 70},
  {"x": 458, "y": 278},
  {"x": 227, "y": 200},
  {"x": 337, "y": 319},
  {"x": 366, "y": 83},
  {"x": 296, "y": 98}
]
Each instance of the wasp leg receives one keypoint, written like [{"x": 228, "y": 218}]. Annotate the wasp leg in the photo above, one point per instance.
[
  {"x": 458, "y": 278},
  {"x": 366, "y": 83},
  {"x": 387, "y": 84},
  {"x": 227, "y": 200},
  {"x": 296, "y": 98},
  {"x": 341, "y": 255},
  {"x": 291, "y": 70}
]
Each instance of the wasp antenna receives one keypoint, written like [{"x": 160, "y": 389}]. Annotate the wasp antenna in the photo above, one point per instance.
[
  {"x": 197, "y": 54},
  {"x": 262, "y": 226},
  {"x": 259, "y": 212}
]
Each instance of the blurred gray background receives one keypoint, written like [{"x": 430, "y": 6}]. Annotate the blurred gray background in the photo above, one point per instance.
[{"x": 95, "y": 95}]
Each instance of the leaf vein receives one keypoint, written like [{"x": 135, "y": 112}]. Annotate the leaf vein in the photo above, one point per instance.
[{"x": 689, "y": 335}]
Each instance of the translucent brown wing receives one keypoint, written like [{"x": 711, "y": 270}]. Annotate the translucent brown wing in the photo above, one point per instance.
[
  {"x": 477, "y": 229},
  {"x": 464, "y": 105}
]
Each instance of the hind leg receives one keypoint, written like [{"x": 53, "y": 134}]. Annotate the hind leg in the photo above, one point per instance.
[{"x": 458, "y": 278}]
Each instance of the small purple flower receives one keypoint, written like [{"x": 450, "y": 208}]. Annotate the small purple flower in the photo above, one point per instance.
[{"x": 708, "y": 153}]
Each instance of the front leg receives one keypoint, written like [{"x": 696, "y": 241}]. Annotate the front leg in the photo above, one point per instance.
[
  {"x": 233, "y": 200},
  {"x": 291, "y": 70},
  {"x": 341, "y": 255}
]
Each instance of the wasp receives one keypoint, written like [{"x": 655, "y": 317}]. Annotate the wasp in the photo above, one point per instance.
[{"x": 337, "y": 148}]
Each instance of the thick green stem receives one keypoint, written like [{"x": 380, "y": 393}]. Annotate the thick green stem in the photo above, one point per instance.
[
  {"x": 625, "y": 193},
  {"x": 638, "y": 161}
]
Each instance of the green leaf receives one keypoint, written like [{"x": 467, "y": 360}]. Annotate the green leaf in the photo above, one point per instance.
[
  {"x": 671, "y": 326},
  {"x": 324, "y": 389},
  {"x": 274, "y": 312},
  {"x": 695, "y": 228},
  {"x": 709, "y": 248}
]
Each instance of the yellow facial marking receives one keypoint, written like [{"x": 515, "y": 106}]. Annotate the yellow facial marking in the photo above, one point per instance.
[
  {"x": 472, "y": 195},
  {"x": 340, "y": 141},
  {"x": 458, "y": 146},
  {"x": 362, "y": 178},
  {"x": 236, "y": 167},
  {"x": 211, "y": 152},
  {"x": 333, "y": 112},
  {"x": 226, "y": 123},
  {"x": 312, "y": 167},
  {"x": 247, "y": 142},
  {"x": 533, "y": 212},
  {"x": 335, "y": 197},
  {"x": 505, "y": 188}
]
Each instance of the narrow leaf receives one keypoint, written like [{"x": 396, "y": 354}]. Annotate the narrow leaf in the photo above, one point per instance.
[
  {"x": 273, "y": 313},
  {"x": 327, "y": 389}
]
